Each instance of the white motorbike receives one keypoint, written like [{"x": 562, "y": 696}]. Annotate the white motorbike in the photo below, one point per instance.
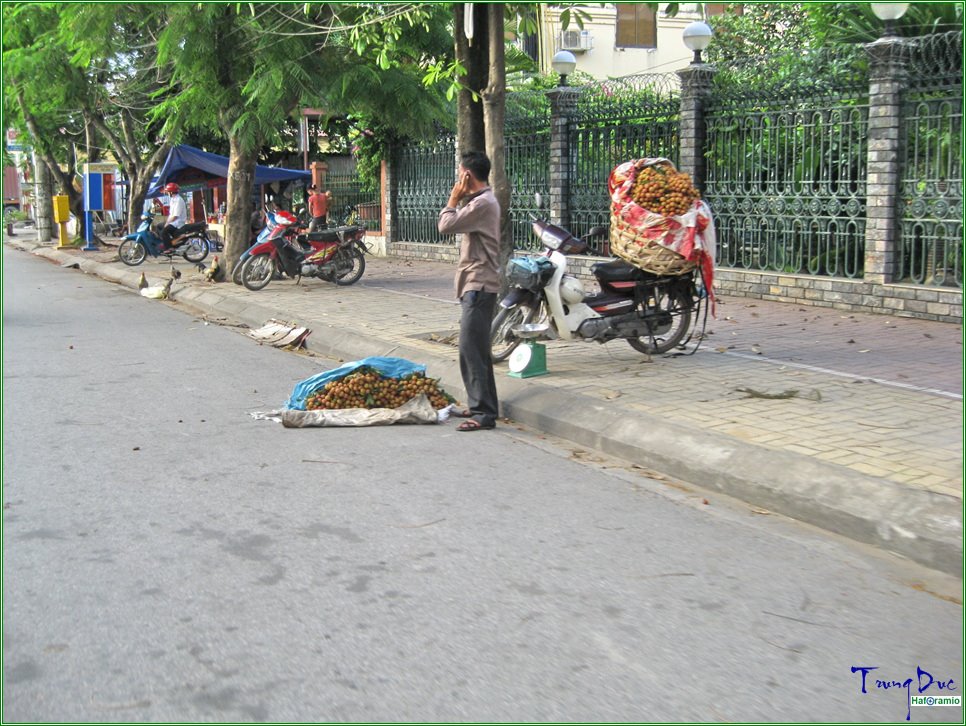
[{"x": 653, "y": 313}]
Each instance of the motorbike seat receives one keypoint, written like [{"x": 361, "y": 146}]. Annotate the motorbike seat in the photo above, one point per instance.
[
  {"x": 619, "y": 271},
  {"x": 332, "y": 234},
  {"x": 192, "y": 228},
  {"x": 325, "y": 235}
]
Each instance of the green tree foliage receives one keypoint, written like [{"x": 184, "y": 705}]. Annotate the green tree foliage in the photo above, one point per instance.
[
  {"x": 133, "y": 77},
  {"x": 44, "y": 93},
  {"x": 80, "y": 79},
  {"x": 770, "y": 28},
  {"x": 114, "y": 45},
  {"x": 760, "y": 29},
  {"x": 243, "y": 70},
  {"x": 856, "y": 23}
]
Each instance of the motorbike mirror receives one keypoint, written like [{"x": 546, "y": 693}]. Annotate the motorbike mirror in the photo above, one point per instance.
[
  {"x": 538, "y": 200},
  {"x": 598, "y": 231}
]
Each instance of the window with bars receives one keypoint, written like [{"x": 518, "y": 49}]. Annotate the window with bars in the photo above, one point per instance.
[{"x": 636, "y": 26}]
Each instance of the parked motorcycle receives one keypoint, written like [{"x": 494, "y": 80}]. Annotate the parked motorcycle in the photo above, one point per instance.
[
  {"x": 335, "y": 255},
  {"x": 192, "y": 243},
  {"x": 290, "y": 229},
  {"x": 653, "y": 313},
  {"x": 348, "y": 218}
]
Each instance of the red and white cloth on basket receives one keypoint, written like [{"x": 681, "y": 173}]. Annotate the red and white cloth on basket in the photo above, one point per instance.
[{"x": 691, "y": 235}]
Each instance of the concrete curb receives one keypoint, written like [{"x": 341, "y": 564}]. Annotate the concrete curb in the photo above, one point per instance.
[{"x": 923, "y": 526}]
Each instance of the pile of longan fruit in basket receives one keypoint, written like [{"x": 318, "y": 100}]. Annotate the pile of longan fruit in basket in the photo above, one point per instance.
[
  {"x": 366, "y": 388},
  {"x": 663, "y": 190}
]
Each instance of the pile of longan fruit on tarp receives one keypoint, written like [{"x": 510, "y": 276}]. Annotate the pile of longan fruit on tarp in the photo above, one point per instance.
[
  {"x": 663, "y": 190},
  {"x": 366, "y": 388}
]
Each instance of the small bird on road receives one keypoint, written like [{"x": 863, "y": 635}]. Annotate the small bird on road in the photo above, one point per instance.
[
  {"x": 201, "y": 267},
  {"x": 175, "y": 273},
  {"x": 142, "y": 282}
]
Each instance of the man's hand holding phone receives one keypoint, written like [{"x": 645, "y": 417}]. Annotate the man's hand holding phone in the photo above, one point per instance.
[{"x": 461, "y": 188}]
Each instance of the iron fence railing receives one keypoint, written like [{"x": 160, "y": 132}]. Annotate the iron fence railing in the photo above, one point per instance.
[
  {"x": 786, "y": 151},
  {"x": 527, "y": 139},
  {"x": 931, "y": 185},
  {"x": 616, "y": 121},
  {"x": 786, "y": 156},
  {"x": 425, "y": 172},
  {"x": 343, "y": 181}
]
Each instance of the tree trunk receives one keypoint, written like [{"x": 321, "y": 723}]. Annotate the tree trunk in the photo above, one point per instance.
[
  {"x": 65, "y": 179},
  {"x": 75, "y": 199},
  {"x": 494, "y": 114},
  {"x": 43, "y": 208},
  {"x": 238, "y": 207},
  {"x": 92, "y": 147},
  {"x": 138, "y": 172},
  {"x": 470, "y": 135}
]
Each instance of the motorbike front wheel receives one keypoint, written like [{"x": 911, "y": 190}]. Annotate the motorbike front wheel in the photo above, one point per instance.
[
  {"x": 257, "y": 271},
  {"x": 349, "y": 266},
  {"x": 502, "y": 340},
  {"x": 195, "y": 249},
  {"x": 670, "y": 321},
  {"x": 132, "y": 252},
  {"x": 236, "y": 273}
]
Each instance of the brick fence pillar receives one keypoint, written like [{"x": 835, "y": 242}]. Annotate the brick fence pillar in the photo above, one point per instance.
[
  {"x": 695, "y": 89},
  {"x": 887, "y": 78},
  {"x": 319, "y": 170},
  {"x": 387, "y": 190},
  {"x": 563, "y": 106}
]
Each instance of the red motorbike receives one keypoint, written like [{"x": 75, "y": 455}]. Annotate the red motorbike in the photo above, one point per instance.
[{"x": 335, "y": 255}]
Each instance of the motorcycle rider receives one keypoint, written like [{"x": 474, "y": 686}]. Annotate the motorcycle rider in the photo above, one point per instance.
[{"x": 177, "y": 214}]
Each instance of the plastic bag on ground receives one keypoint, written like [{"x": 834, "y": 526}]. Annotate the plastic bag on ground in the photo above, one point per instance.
[
  {"x": 418, "y": 410},
  {"x": 389, "y": 367}
]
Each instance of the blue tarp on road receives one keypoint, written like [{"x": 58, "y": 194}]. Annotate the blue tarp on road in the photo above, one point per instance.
[{"x": 187, "y": 166}]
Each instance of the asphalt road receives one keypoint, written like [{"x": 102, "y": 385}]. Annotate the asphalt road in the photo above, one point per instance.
[{"x": 168, "y": 557}]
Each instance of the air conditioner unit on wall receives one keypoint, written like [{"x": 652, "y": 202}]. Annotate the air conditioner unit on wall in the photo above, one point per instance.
[{"x": 578, "y": 40}]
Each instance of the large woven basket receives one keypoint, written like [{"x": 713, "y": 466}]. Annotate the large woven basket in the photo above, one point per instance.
[{"x": 626, "y": 243}]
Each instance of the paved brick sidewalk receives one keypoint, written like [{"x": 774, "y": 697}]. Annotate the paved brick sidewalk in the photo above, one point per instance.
[{"x": 877, "y": 396}]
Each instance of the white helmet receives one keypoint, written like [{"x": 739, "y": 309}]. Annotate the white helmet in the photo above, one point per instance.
[{"x": 571, "y": 290}]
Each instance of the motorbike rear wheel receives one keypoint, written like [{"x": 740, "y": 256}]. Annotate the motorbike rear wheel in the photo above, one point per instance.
[
  {"x": 236, "y": 276},
  {"x": 671, "y": 321},
  {"x": 502, "y": 340},
  {"x": 257, "y": 271},
  {"x": 195, "y": 249},
  {"x": 349, "y": 266},
  {"x": 132, "y": 252}
]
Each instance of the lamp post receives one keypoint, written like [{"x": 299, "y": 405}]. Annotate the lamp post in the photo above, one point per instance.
[
  {"x": 890, "y": 13},
  {"x": 697, "y": 36},
  {"x": 563, "y": 62}
]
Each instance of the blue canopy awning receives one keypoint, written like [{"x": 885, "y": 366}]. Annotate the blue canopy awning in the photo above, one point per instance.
[{"x": 188, "y": 166}]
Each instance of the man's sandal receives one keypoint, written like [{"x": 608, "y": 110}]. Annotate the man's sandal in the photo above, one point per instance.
[
  {"x": 465, "y": 413},
  {"x": 474, "y": 425}
]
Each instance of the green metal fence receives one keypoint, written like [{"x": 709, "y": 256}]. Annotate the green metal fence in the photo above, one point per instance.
[
  {"x": 342, "y": 180},
  {"x": 931, "y": 193},
  {"x": 527, "y": 139},
  {"x": 786, "y": 156},
  {"x": 786, "y": 153},
  {"x": 616, "y": 121},
  {"x": 425, "y": 172}
]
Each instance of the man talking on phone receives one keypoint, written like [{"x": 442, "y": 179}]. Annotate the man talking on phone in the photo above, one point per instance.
[{"x": 474, "y": 212}]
